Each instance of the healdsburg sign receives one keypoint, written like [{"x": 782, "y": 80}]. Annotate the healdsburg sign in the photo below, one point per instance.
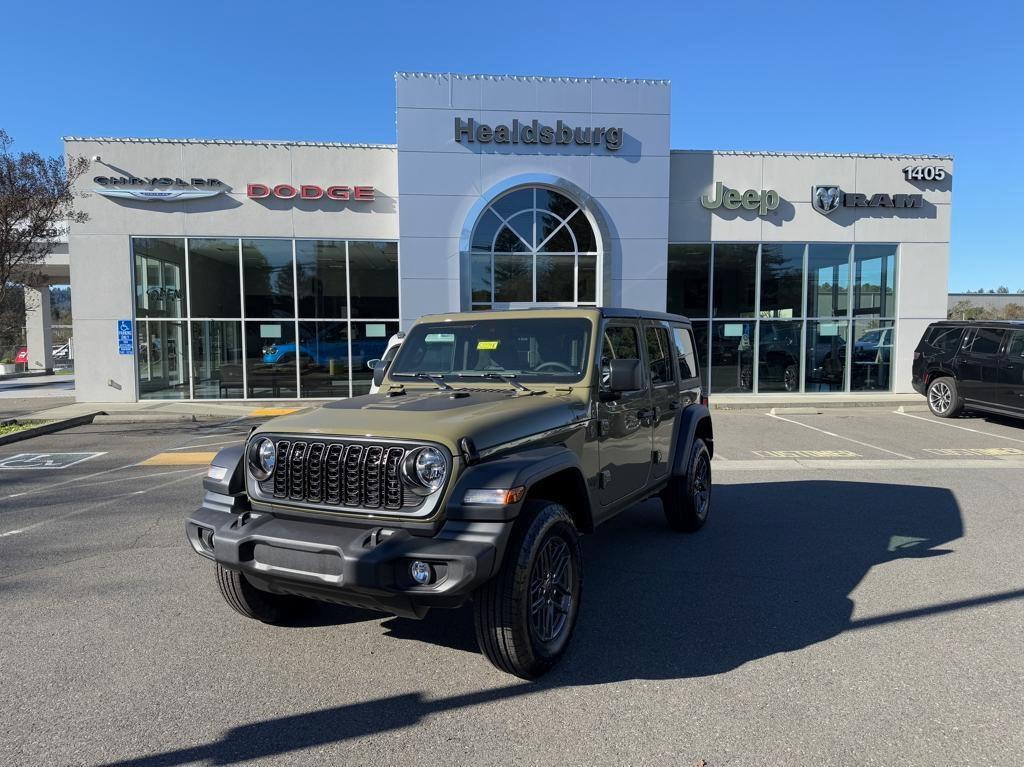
[{"x": 470, "y": 131}]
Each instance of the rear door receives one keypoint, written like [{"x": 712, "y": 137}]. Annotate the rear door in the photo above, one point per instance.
[
  {"x": 624, "y": 445},
  {"x": 1010, "y": 379},
  {"x": 978, "y": 364},
  {"x": 665, "y": 403}
]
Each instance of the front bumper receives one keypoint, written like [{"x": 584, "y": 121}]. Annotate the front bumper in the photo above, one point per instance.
[{"x": 350, "y": 564}]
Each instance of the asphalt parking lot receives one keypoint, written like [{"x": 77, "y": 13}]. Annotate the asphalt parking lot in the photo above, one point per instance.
[{"x": 856, "y": 598}]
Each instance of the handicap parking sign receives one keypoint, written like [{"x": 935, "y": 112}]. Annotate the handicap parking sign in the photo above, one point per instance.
[{"x": 125, "y": 337}]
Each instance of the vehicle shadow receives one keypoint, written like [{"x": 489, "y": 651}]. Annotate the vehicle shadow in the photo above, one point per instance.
[
  {"x": 771, "y": 572},
  {"x": 978, "y": 416}
]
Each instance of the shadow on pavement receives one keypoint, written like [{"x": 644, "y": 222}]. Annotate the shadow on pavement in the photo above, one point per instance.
[{"x": 772, "y": 572}]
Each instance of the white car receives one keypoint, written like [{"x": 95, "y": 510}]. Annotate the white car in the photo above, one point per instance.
[{"x": 379, "y": 366}]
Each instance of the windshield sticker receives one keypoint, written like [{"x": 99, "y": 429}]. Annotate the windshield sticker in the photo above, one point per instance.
[
  {"x": 485, "y": 346},
  {"x": 440, "y": 338}
]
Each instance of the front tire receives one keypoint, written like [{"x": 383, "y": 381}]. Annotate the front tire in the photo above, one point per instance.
[
  {"x": 525, "y": 615},
  {"x": 253, "y": 603},
  {"x": 687, "y": 500},
  {"x": 944, "y": 398}
]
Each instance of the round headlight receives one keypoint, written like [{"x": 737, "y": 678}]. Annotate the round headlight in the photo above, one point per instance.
[
  {"x": 426, "y": 469},
  {"x": 262, "y": 458}
]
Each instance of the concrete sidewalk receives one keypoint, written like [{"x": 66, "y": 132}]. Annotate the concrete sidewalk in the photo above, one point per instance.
[
  {"x": 814, "y": 400},
  {"x": 171, "y": 410},
  {"x": 174, "y": 409}
]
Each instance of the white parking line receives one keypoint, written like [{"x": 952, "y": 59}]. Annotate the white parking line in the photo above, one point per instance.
[
  {"x": 100, "y": 504},
  {"x": 840, "y": 436},
  {"x": 207, "y": 444},
  {"x": 956, "y": 426}
]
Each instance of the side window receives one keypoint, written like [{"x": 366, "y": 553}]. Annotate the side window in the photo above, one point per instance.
[
  {"x": 684, "y": 351},
  {"x": 659, "y": 356},
  {"x": 987, "y": 341},
  {"x": 946, "y": 339},
  {"x": 620, "y": 342},
  {"x": 1015, "y": 349}
]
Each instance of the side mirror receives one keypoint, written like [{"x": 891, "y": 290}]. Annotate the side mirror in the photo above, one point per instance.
[
  {"x": 625, "y": 375},
  {"x": 378, "y": 374},
  {"x": 372, "y": 364}
]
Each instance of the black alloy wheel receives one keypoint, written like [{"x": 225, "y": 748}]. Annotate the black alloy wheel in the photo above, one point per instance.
[{"x": 551, "y": 590}]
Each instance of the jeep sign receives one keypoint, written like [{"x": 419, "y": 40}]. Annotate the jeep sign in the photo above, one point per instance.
[{"x": 731, "y": 199}]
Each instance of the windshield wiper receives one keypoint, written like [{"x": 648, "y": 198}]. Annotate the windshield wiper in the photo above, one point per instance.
[
  {"x": 509, "y": 379},
  {"x": 435, "y": 378}
]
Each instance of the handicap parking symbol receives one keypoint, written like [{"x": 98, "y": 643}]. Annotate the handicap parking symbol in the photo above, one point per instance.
[{"x": 45, "y": 460}]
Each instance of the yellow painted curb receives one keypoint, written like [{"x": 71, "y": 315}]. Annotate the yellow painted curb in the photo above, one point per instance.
[
  {"x": 274, "y": 411},
  {"x": 179, "y": 459}
]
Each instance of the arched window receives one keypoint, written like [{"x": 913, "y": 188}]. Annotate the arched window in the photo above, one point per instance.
[{"x": 533, "y": 245}]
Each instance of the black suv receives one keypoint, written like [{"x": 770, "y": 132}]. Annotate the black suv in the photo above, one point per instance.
[{"x": 972, "y": 365}]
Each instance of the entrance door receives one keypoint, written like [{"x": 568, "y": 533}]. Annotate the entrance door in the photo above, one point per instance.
[
  {"x": 624, "y": 446},
  {"x": 978, "y": 364},
  {"x": 1010, "y": 383}
]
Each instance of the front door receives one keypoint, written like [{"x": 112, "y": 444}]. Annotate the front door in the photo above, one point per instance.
[
  {"x": 664, "y": 394},
  {"x": 624, "y": 445},
  {"x": 1010, "y": 380},
  {"x": 978, "y": 363}
]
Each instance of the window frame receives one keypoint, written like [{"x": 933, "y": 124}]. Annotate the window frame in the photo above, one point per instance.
[
  {"x": 534, "y": 250},
  {"x": 187, "y": 318}
]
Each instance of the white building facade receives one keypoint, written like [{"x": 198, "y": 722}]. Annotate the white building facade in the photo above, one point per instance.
[{"x": 265, "y": 270}]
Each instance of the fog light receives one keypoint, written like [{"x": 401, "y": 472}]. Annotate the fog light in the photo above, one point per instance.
[{"x": 421, "y": 572}]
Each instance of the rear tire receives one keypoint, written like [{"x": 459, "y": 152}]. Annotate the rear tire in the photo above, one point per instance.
[
  {"x": 525, "y": 615},
  {"x": 253, "y": 603},
  {"x": 791, "y": 378},
  {"x": 687, "y": 499},
  {"x": 944, "y": 398}
]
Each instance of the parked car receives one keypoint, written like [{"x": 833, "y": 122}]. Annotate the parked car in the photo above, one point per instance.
[
  {"x": 322, "y": 351},
  {"x": 381, "y": 363},
  {"x": 497, "y": 439},
  {"x": 971, "y": 366}
]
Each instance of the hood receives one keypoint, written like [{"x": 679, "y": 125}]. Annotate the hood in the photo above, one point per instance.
[{"x": 488, "y": 416}]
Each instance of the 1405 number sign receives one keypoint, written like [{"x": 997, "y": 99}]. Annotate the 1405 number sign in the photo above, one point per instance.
[{"x": 924, "y": 173}]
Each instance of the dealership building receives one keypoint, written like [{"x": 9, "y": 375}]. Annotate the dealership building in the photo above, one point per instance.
[{"x": 218, "y": 269}]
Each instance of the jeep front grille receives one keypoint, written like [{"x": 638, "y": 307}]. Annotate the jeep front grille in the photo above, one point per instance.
[{"x": 354, "y": 475}]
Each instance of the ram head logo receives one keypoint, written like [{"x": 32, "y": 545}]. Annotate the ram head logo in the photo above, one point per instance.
[{"x": 826, "y": 198}]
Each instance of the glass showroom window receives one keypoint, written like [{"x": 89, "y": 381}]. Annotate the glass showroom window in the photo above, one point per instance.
[
  {"x": 262, "y": 318},
  {"x": 780, "y": 316},
  {"x": 530, "y": 246},
  {"x": 161, "y": 303}
]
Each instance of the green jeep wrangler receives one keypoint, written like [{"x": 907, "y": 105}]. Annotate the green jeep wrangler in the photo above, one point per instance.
[{"x": 495, "y": 440}]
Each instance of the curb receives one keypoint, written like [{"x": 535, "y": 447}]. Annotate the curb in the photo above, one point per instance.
[
  {"x": 124, "y": 418},
  {"x": 48, "y": 428},
  {"x": 813, "y": 406}
]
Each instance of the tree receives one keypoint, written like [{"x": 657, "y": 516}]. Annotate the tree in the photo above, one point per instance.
[
  {"x": 1002, "y": 290},
  {"x": 36, "y": 199}
]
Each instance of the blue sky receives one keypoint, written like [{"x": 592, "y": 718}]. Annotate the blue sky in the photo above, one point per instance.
[{"x": 922, "y": 77}]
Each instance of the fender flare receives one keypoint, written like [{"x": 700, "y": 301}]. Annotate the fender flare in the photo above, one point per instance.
[
  {"x": 685, "y": 433},
  {"x": 522, "y": 468}
]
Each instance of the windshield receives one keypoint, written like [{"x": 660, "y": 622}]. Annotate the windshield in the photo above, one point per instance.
[{"x": 538, "y": 350}]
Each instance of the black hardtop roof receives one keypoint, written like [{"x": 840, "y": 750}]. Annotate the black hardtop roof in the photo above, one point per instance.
[
  {"x": 607, "y": 312},
  {"x": 981, "y": 323},
  {"x": 621, "y": 312}
]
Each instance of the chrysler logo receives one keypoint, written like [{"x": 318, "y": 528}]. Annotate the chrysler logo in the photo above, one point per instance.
[
  {"x": 162, "y": 195},
  {"x": 826, "y": 199}
]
